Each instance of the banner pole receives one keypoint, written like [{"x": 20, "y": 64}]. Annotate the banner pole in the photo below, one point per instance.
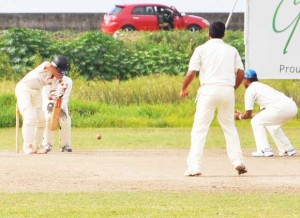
[{"x": 229, "y": 17}]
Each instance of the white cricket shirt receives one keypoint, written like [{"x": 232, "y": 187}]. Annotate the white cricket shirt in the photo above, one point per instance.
[
  {"x": 37, "y": 78},
  {"x": 263, "y": 95},
  {"x": 217, "y": 62}
]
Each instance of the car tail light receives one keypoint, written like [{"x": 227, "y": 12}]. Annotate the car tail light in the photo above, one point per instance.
[
  {"x": 109, "y": 18},
  {"x": 113, "y": 18},
  {"x": 205, "y": 21}
]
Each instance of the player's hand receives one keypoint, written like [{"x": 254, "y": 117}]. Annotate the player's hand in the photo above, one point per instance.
[
  {"x": 237, "y": 113},
  {"x": 184, "y": 93},
  {"x": 60, "y": 91},
  {"x": 50, "y": 107},
  {"x": 55, "y": 94}
]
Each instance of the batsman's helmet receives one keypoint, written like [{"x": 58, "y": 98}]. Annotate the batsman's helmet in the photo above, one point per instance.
[{"x": 61, "y": 63}]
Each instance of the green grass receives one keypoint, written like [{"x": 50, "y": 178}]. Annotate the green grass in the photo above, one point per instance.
[
  {"x": 188, "y": 204},
  {"x": 148, "y": 138},
  {"x": 93, "y": 114},
  {"x": 141, "y": 102}
]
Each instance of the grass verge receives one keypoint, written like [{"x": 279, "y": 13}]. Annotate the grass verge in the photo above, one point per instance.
[
  {"x": 148, "y": 205},
  {"x": 148, "y": 138}
]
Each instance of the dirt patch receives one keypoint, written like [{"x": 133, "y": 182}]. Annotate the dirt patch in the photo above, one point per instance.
[{"x": 144, "y": 170}]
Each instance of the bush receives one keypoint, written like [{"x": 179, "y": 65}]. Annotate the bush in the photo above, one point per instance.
[
  {"x": 96, "y": 56},
  {"x": 93, "y": 54},
  {"x": 22, "y": 46}
]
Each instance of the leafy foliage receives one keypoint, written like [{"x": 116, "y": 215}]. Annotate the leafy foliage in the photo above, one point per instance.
[
  {"x": 236, "y": 39},
  {"x": 22, "y": 46},
  {"x": 96, "y": 56}
]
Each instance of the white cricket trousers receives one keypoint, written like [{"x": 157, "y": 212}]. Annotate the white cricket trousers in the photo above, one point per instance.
[
  {"x": 64, "y": 131},
  {"x": 30, "y": 105},
  {"x": 210, "y": 98},
  {"x": 272, "y": 119}
]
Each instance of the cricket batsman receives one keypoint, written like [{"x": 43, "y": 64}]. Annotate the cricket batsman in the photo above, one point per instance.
[
  {"x": 29, "y": 100},
  {"x": 49, "y": 96}
]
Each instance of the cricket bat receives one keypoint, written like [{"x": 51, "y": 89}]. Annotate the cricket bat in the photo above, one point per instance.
[{"x": 55, "y": 114}]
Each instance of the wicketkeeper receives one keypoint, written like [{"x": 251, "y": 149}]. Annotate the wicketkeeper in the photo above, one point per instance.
[
  {"x": 29, "y": 100},
  {"x": 64, "y": 117}
]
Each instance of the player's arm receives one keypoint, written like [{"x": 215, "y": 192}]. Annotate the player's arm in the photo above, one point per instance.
[
  {"x": 194, "y": 67},
  {"x": 53, "y": 70},
  {"x": 243, "y": 116},
  {"x": 186, "y": 82},
  {"x": 239, "y": 78}
]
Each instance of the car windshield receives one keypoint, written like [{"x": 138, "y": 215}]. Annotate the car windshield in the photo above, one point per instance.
[{"x": 116, "y": 10}]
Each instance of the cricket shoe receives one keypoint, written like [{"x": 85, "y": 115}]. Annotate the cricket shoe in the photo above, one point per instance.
[
  {"x": 29, "y": 151},
  {"x": 241, "y": 169},
  {"x": 290, "y": 153},
  {"x": 47, "y": 148},
  {"x": 192, "y": 172},
  {"x": 66, "y": 148},
  {"x": 41, "y": 151},
  {"x": 267, "y": 152}
]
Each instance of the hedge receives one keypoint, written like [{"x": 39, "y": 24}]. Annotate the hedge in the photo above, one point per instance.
[{"x": 95, "y": 55}]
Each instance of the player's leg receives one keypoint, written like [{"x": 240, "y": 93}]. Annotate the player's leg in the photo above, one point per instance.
[
  {"x": 226, "y": 120},
  {"x": 40, "y": 121},
  {"x": 276, "y": 116},
  {"x": 281, "y": 140},
  {"x": 29, "y": 119},
  {"x": 65, "y": 132},
  {"x": 28, "y": 129},
  {"x": 49, "y": 135},
  {"x": 284, "y": 113},
  {"x": 39, "y": 131},
  {"x": 258, "y": 123},
  {"x": 203, "y": 116}
]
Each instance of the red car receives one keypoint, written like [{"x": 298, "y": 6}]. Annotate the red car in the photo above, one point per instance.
[{"x": 149, "y": 17}]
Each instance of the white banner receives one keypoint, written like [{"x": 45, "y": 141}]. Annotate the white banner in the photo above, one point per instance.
[{"x": 272, "y": 38}]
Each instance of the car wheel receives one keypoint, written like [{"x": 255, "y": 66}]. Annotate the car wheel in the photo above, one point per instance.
[
  {"x": 128, "y": 28},
  {"x": 194, "y": 28}
]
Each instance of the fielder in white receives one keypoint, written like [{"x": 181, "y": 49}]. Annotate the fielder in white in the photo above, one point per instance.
[
  {"x": 221, "y": 72},
  {"x": 29, "y": 100},
  {"x": 277, "y": 109},
  {"x": 64, "y": 118}
]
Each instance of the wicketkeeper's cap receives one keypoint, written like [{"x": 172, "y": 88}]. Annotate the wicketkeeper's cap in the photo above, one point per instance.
[{"x": 250, "y": 74}]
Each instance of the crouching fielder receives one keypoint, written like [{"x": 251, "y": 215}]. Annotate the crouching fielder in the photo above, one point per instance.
[
  {"x": 64, "y": 117},
  {"x": 278, "y": 109},
  {"x": 29, "y": 100}
]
